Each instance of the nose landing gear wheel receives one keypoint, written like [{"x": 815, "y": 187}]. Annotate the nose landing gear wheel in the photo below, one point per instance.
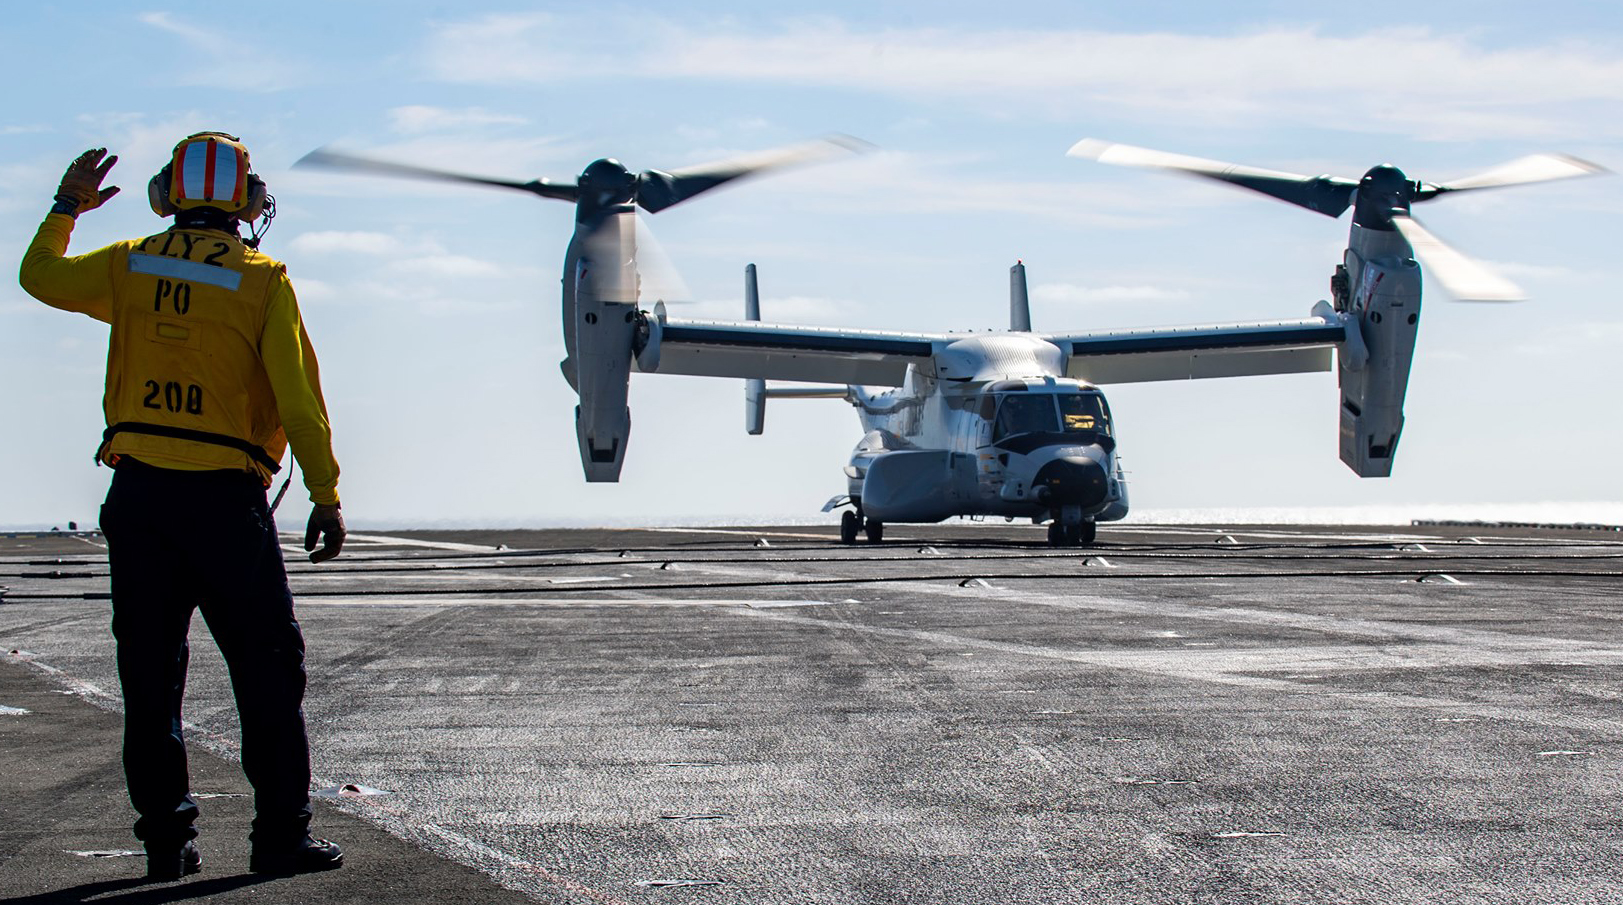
[
  {"x": 850, "y": 524},
  {"x": 876, "y": 531}
]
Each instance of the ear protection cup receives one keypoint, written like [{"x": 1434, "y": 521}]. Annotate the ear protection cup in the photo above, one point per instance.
[
  {"x": 256, "y": 199},
  {"x": 158, "y": 193}
]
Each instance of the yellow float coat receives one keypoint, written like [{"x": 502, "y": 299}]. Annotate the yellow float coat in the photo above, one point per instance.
[{"x": 206, "y": 336}]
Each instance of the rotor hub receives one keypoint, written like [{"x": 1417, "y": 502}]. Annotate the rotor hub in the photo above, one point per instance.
[
  {"x": 607, "y": 182},
  {"x": 1385, "y": 190}
]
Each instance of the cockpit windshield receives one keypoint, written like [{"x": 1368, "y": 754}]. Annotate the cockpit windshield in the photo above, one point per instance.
[
  {"x": 1049, "y": 413},
  {"x": 1025, "y": 413},
  {"x": 1083, "y": 412}
]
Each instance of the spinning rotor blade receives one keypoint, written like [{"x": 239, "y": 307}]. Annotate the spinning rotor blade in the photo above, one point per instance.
[
  {"x": 630, "y": 264},
  {"x": 1464, "y": 278},
  {"x": 322, "y": 157},
  {"x": 610, "y": 252},
  {"x": 657, "y": 190},
  {"x": 1329, "y": 195},
  {"x": 657, "y": 278},
  {"x": 1521, "y": 171}
]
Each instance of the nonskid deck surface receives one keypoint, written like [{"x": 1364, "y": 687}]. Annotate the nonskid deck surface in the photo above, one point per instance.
[{"x": 960, "y": 714}]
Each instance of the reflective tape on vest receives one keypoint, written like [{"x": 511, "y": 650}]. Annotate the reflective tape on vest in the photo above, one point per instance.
[{"x": 190, "y": 271}]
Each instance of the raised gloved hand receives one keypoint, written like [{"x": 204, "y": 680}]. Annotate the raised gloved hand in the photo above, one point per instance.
[
  {"x": 327, "y": 523},
  {"x": 81, "y": 184}
]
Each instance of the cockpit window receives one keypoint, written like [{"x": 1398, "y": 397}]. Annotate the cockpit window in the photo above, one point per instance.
[
  {"x": 1022, "y": 413},
  {"x": 1084, "y": 412}
]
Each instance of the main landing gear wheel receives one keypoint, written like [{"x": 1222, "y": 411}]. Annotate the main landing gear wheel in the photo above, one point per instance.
[
  {"x": 1071, "y": 535},
  {"x": 850, "y": 524}
]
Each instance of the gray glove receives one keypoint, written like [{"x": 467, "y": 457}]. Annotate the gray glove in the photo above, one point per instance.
[{"x": 327, "y": 523}]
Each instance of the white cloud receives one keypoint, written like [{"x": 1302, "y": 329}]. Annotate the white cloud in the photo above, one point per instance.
[
  {"x": 898, "y": 181},
  {"x": 417, "y": 118},
  {"x": 199, "y": 38},
  {"x": 710, "y": 132},
  {"x": 1427, "y": 84},
  {"x": 313, "y": 290},
  {"x": 790, "y": 309},
  {"x": 217, "y": 52},
  {"x": 1536, "y": 271},
  {"x": 1072, "y": 294},
  {"x": 1566, "y": 340},
  {"x": 341, "y": 242},
  {"x": 450, "y": 266}
]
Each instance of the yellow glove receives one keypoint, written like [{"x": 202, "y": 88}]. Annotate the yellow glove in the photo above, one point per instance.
[
  {"x": 327, "y": 523},
  {"x": 81, "y": 184}
]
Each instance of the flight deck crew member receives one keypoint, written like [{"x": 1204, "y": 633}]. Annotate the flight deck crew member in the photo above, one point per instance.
[{"x": 210, "y": 377}]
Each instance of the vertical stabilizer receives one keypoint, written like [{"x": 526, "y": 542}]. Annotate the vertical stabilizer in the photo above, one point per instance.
[
  {"x": 752, "y": 295},
  {"x": 754, "y": 389},
  {"x": 1019, "y": 303}
]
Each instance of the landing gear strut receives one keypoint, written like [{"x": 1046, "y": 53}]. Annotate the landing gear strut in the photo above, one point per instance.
[{"x": 852, "y": 523}]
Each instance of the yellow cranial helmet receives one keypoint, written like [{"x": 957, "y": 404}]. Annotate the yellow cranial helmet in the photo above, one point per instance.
[{"x": 208, "y": 169}]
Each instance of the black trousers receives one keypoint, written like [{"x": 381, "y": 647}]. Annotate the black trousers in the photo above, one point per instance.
[{"x": 179, "y": 541}]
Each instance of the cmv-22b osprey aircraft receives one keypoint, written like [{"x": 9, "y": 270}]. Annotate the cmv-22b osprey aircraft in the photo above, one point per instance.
[{"x": 1008, "y": 423}]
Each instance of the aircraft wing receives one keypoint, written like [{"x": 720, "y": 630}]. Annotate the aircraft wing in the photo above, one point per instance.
[
  {"x": 752, "y": 349},
  {"x": 1219, "y": 350}
]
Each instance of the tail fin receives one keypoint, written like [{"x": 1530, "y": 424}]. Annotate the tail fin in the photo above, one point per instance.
[
  {"x": 1019, "y": 303},
  {"x": 756, "y": 392},
  {"x": 754, "y": 388}
]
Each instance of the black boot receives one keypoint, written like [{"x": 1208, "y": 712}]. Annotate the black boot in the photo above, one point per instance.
[
  {"x": 305, "y": 856},
  {"x": 166, "y": 862}
]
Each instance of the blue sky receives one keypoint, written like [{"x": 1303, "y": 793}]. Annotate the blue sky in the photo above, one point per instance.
[{"x": 435, "y": 309}]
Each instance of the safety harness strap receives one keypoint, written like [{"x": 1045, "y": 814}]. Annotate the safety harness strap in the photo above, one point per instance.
[{"x": 255, "y": 452}]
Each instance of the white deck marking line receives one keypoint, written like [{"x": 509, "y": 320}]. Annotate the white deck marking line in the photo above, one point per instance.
[
  {"x": 449, "y": 576},
  {"x": 383, "y": 540},
  {"x": 516, "y": 601},
  {"x": 829, "y": 536},
  {"x": 390, "y": 541},
  {"x": 1203, "y": 530}
]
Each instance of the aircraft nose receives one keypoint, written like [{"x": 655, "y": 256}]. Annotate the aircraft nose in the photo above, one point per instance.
[{"x": 1073, "y": 480}]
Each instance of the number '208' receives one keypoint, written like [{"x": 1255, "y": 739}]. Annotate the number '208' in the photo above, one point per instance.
[{"x": 174, "y": 397}]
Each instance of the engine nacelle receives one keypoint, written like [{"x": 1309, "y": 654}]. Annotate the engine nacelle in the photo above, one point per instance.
[
  {"x": 1383, "y": 296},
  {"x": 606, "y": 327}
]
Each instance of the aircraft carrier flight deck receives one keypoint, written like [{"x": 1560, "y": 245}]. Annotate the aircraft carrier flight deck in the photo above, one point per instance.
[{"x": 962, "y": 714}]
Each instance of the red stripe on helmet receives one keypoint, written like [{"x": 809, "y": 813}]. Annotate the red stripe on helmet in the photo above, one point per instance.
[
  {"x": 208, "y": 171},
  {"x": 239, "y": 192},
  {"x": 177, "y": 179}
]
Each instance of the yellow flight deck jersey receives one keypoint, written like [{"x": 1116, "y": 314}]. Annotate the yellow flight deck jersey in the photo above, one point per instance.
[{"x": 208, "y": 366}]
